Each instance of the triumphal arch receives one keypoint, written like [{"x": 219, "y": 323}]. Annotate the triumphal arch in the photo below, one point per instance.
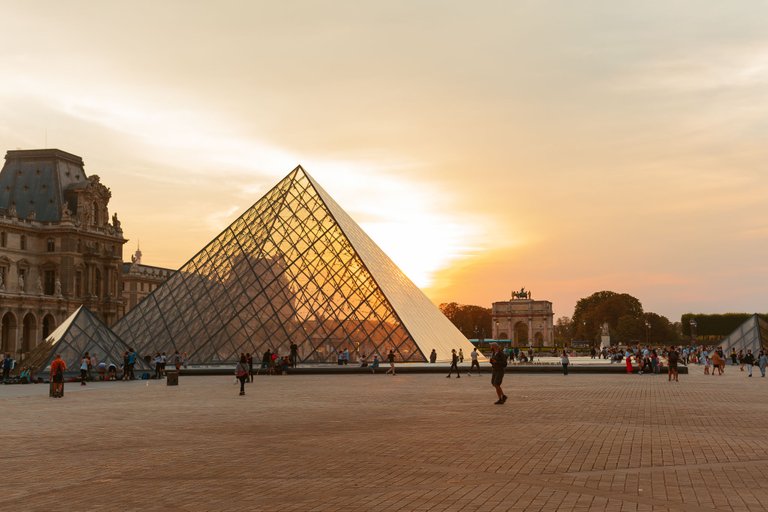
[{"x": 523, "y": 320}]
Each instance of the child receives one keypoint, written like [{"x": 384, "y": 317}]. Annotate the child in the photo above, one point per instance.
[
  {"x": 375, "y": 364},
  {"x": 707, "y": 364}
]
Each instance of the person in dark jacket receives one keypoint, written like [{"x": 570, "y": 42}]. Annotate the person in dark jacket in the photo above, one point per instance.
[
  {"x": 454, "y": 364},
  {"x": 498, "y": 363},
  {"x": 749, "y": 360}
]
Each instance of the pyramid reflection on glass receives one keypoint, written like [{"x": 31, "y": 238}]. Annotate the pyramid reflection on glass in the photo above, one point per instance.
[
  {"x": 294, "y": 268},
  {"x": 751, "y": 335},
  {"x": 81, "y": 332}
]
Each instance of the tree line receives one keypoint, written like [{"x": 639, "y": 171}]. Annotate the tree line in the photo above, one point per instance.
[{"x": 627, "y": 321}]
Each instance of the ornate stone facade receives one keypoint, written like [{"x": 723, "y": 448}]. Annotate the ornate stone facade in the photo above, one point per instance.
[
  {"x": 140, "y": 280},
  {"x": 524, "y": 321},
  {"x": 59, "y": 249}
]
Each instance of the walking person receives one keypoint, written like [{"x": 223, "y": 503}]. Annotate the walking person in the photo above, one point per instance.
[
  {"x": 762, "y": 362},
  {"x": 132, "y": 355},
  {"x": 565, "y": 362},
  {"x": 84, "y": 363},
  {"x": 749, "y": 360},
  {"x": 454, "y": 364},
  {"x": 158, "y": 366},
  {"x": 499, "y": 364},
  {"x": 391, "y": 359},
  {"x": 672, "y": 358},
  {"x": 249, "y": 361},
  {"x": 241, "y": 372},
  {"x": 475, "y": 362},
  {"x": 58, "y": 367}
]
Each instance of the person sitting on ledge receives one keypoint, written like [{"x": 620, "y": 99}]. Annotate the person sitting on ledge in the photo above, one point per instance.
[
  {"x": 112, "y": 372},
  {"x": 363, "y": 361},
  {"x": 25, "y": 377}
]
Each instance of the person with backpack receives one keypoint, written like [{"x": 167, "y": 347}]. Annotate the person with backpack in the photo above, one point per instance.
[
  {"x": 241, "y": 373},
  {"x": 498, "y": 363},
  {"x": 58, "y": 367}
]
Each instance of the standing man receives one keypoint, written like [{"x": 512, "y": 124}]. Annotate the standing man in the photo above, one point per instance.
[
  {"x": 432, "y": 357},
  {"x": 749, "y": 360},
  {"x": 391, "y": 359},
  {"x": 131, "y": 363},
  {"x": 58, "y": 367},
  {"x": 565, "y": 362},
  {"x": 454, "y": 364},
  {"x": 762, "y": 362},
  {"x": 475, "y": 363},
  {"x": 499, "y": 363},
  {"x": 7, "y": 366},
  {"x": 294, "y": 355},
  {"x": 249, "y": 362},
  {"x": 673, "y": 357}
]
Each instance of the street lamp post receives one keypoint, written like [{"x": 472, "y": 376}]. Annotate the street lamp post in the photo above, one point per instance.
[
  {"x": 647, "y": 333},
  {"x": 693, "y": 331}
]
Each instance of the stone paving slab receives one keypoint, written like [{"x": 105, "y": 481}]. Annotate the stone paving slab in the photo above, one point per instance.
[{"x": 415, "y": 442}]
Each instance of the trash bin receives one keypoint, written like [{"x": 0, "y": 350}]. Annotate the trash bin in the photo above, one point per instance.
[{"x": 172, "y": 378}]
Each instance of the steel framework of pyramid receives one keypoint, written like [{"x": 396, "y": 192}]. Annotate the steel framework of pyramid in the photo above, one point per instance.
[
  {"x": 81, "y": 332},
  {"x": 294, "y": 268},
  {"x": 751, "y": 335}
]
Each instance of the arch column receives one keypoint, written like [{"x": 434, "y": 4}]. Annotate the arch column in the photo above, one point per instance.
[{"x": 8, "y": 332}]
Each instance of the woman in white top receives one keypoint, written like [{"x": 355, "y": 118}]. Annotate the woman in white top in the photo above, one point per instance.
[
  {"x": 565, "y": 362},
  {"x": 84, "y": 363}
]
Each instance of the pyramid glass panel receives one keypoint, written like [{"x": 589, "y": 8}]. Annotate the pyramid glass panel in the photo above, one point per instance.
[
  {"x": 751, "y": 335},
  {"x": 294, "y": 268}
]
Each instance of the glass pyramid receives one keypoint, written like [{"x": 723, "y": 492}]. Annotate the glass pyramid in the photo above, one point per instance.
[
  {"x": 751, "y": 335},
  {"x": 294, "y": 268},
  {"x": 81, "y": 332}
]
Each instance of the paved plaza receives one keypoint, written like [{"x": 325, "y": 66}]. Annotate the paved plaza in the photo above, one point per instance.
[{"x": 415, "y": 442}]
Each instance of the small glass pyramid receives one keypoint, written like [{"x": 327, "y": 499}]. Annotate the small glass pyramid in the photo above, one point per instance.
[
  {"x": 81, "y": 332},
  {"x": 294, "y": 268},
  {"x": 751, "y": 335}
]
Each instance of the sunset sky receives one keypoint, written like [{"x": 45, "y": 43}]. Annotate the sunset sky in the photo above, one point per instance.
[{"x": 568, "y": 147}]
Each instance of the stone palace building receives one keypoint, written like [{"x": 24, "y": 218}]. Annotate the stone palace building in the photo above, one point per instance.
[{"x": 59, "y": 248}]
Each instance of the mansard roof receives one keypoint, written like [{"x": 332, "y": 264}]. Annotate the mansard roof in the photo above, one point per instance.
[{"x": 36, "y": 181}]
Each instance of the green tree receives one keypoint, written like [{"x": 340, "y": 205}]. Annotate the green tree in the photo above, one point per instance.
[
  {"x": 472, "y": 321},
  {"x": 563, "y": 330},
  {"x": 603, "y": 307},
  {"x": 629, "y": 330}
]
